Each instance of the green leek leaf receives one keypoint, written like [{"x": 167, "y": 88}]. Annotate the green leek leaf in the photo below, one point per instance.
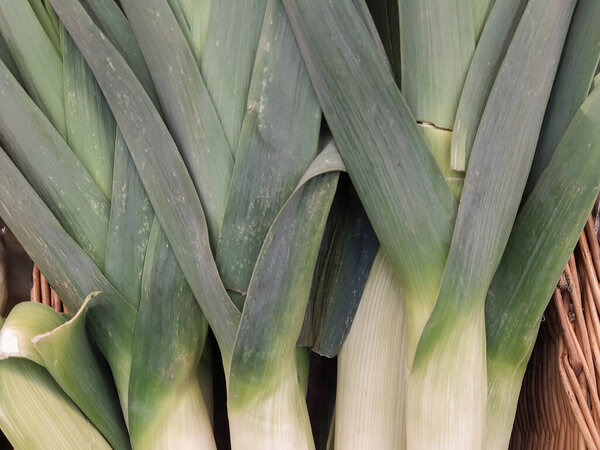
[
  {"x": 490, "y": 51},
  {"x": 278, "y": 142},
  {"x": 402, "y": 189},
  {"x": 51, "y": 167},
  {"x": 193, "y": 17},
  {"x": 229, "y": 51},
  {"x": 49, "y": 26},
  {"x": 131, "y": 217},
  {"x": 542, "y": 239},
  {"x": 266, "y": 403},
  {"x": 109, "y": 17},
  {"x": 446, "y": 391},
  {"x": 36, "y": 57},
  {"x": 68, "y": 269},
  {"x": 166, "y": 405},
  {"x": 437, "y": 43},
  {"x": 161, "y": 168},
  {"x": 90, "y": 125},
  {"x": 189, "y": 112},
  {"x": 578, "y": 65},
  {"x": 80, "y": 371}
]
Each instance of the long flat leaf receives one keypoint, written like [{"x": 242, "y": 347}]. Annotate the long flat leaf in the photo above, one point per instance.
[
  {"x": 36, "y": 414},
  {"x": 264, "y": 367},
  {"x": 193, "y": 17},
  {"x": 437, "y": 42},
  {"x": 279, "y": 290},
  {"x": 490, "y": 51},
  {"x": 109, "y": 17},
  {"x": 68, "y": 269},
  {"x": 51, "y": 167},
  {"x": 348, "y": 263},
  {"x": 187, "y": 106},
  {"x": 46, "y": 22},
  {"x": 395, "y": 175},
  {"x": 83, "y": 375},
  {"x": 498, "y": 168},
  {"x": 543, "y": 237},
  {"x": 166, "y": 406},
  {"x": 131, "y": 217},
  {"x": 481, "y": 10},
  {"x": 363, "y": 11},
  {"x": 36, "y": 57},
  {"x": 577, "y": 67},
  {"x": 161, "y": 169},
  {"x": 9, "y": 61},
  {"x": 90, "y": 125},
  {"x": 278, "y": 141},
  {"x": 228, "y": 59}
]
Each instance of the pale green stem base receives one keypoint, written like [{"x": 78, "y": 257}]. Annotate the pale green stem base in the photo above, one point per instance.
[
  {"x": 504, "y": 386},
  {"x": 277, "y": 420},
  {"x": 184, "y": 424},
  {"x": 371, "y": 369},
  {"x": 447, "y": 390}
]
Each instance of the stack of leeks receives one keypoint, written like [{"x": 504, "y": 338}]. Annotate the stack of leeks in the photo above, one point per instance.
[{"x": 172, "y": 167}]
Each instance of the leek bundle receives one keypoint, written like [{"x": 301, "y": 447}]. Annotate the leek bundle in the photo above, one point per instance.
[{"x": 173, "y": 167}]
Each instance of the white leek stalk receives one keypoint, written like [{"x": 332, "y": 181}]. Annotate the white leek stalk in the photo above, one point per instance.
[
  {"x": 371, "y": 368},
  {"x": 432, "y": 392},
  {"x": 275, "y": 420}
]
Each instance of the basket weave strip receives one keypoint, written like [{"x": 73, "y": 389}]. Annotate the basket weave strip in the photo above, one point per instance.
[
  {"x": 42, "y": 292},
  {"x": 559, "y": 405}
]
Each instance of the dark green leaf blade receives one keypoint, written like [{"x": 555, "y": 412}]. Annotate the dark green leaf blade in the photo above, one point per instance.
[
  {"x": 161, "y": 168},
  {"x": 187, "y": 106},
  {"x": 51, "y": 167},
  {"x": 573, "y": 80},
  {"x": 228, "y": 59},
  {"x": 543, "y": 237},
  {"x": 109, "y": 17},
  {"x": 90, "y": 125},
  {"x": 263, "y": 369},
  {"x": 278, "y": 141},
  {"x": 193, "y": 17},
  {"x": 348, "y": 263},
  {"x": 166, "y": 406},
  {"x": 131, "y": 217},
  {"x": 36, "y": 57},
  {"x": 69, "y": 270},
  {"x": 387, "y": 158},
  {"x": 437, "y": 43},
  {"x": 490, "y": 51}
]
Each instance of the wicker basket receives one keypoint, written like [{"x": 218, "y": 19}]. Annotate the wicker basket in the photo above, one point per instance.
[{"x": 559, "y": 405}]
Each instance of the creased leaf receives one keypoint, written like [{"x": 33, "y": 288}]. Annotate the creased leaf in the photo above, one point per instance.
[{"x": 80, "y": 371}]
